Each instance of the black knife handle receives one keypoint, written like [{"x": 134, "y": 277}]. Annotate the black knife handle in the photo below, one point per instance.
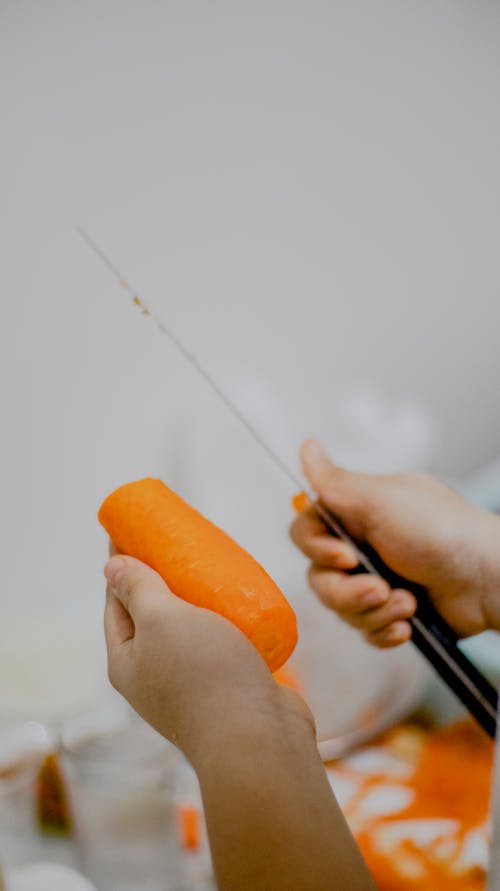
[{"x": 438, "y": 642}]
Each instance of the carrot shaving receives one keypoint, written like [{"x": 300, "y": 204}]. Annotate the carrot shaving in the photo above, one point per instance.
[
  {"x": 189, "y": 825},
  {"x": 300, "y": 501}
]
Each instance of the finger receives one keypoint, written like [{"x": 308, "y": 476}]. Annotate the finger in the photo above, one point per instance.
[
  {"x": 400, "y": 605},
  {"x": 140, "y": 589},
  {"x": 348, "y": 594},
  {"x": 348, "y": 494},
  {"x": 308, "y": 533},
  {"x": 118, "y": 626},
  {"x": 391, "y": 636}
]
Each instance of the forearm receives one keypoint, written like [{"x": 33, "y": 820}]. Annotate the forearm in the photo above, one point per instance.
[{"x": 272, "y": 819}]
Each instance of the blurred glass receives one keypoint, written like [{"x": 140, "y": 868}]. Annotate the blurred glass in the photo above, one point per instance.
[
  {"x": 22, "y": 748},
  {"x": 121, "y": 782}
]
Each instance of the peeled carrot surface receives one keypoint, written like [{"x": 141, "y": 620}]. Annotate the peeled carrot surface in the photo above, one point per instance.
[{"x": 200, "y": 563}]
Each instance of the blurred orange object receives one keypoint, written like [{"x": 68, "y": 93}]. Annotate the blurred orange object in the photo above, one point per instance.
[
  {"x": 52, "y": 806},
  {"x": 300, "y": 501},
  {"x": 420, "y": 812},
  {"x": 189, "y": 821}
]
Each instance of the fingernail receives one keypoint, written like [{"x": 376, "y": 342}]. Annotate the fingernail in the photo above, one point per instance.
[
  {"x": 346, "y": 558},
  {"x": 408, "y": 606},
  {"x": 314, "y": 451},
  {"x": 113, "y": 570},
  {"x": 399, "y": 631},
  {"x": 373, "y": 598}
]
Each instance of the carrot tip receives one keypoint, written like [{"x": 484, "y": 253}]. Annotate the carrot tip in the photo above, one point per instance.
[{"x": 300, "y": 501}]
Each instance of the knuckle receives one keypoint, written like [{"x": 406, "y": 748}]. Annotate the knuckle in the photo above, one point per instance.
[
  {"x": 295, "y": 532},
  {"x": 312, "y": 575},
  {"x": 326, "y": 593},
  {"x": 349, "y": 599},
  {"x": 403, "y": 602}
]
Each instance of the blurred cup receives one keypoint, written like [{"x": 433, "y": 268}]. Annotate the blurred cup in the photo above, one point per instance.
[
  {"x": 23, "y": 746},
  {"x": 120, "y": 776}
]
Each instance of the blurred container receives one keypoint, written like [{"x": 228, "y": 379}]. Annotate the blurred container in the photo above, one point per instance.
[
  {"x": 194, "y": 851},
  {"x": 120, "y": 776},
  {"x": 354, "y": 690},
  {"x": 22, "y": 749},
  {"x": 484, "y": 650},
  {"x": 34, "y": 647},
  {"x": 45, "y": 877}
]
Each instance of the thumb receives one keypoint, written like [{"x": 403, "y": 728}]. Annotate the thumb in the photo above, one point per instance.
[
  {"x": 139, "y": 588},
  {"x": 346, "y": 493}
]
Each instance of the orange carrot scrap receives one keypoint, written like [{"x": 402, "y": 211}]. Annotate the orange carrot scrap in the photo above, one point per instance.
[
  {"x": 300, "y": 501},
  {"x": 201, "y": 564},
  {"x": 189, "y": 823},
  {"x": 451, "y": 782}
]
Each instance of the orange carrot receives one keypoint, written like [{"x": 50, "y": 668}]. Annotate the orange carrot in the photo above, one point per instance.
[
  {"x": 300, "y": 501},
  {"x": 200, "y": 563},
  {"x": 287, "y": 677},
  {"x": 189, "y": 820}
]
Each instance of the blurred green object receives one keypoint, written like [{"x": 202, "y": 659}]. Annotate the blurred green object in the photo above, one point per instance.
[{"x": 484, "y": 650}]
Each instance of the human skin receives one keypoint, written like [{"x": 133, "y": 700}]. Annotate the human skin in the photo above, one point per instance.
[
  {"x": 421, "y": 529},
  {"x": 272, "y": 820}
]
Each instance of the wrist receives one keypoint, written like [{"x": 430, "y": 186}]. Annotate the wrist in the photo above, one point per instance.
[{"x": 270, "y": 719}]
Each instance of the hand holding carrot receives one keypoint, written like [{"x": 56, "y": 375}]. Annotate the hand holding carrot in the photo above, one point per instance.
[
  {"x": 421, "y": 529},
  {"x": 185, "y": 670}
]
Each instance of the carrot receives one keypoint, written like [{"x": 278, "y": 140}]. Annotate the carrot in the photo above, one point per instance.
[
  {"x": 200, "y": 563},
  {"x": 300, "y": 501},
  {"x": 189, "y": 820},
  {"x": 287, "y": 677}
]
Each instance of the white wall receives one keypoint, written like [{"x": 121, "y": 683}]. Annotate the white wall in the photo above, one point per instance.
[{"x": 307, "y": 191}]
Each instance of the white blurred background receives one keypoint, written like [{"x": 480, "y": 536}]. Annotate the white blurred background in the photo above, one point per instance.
[{"x": 309, "y": 193}]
